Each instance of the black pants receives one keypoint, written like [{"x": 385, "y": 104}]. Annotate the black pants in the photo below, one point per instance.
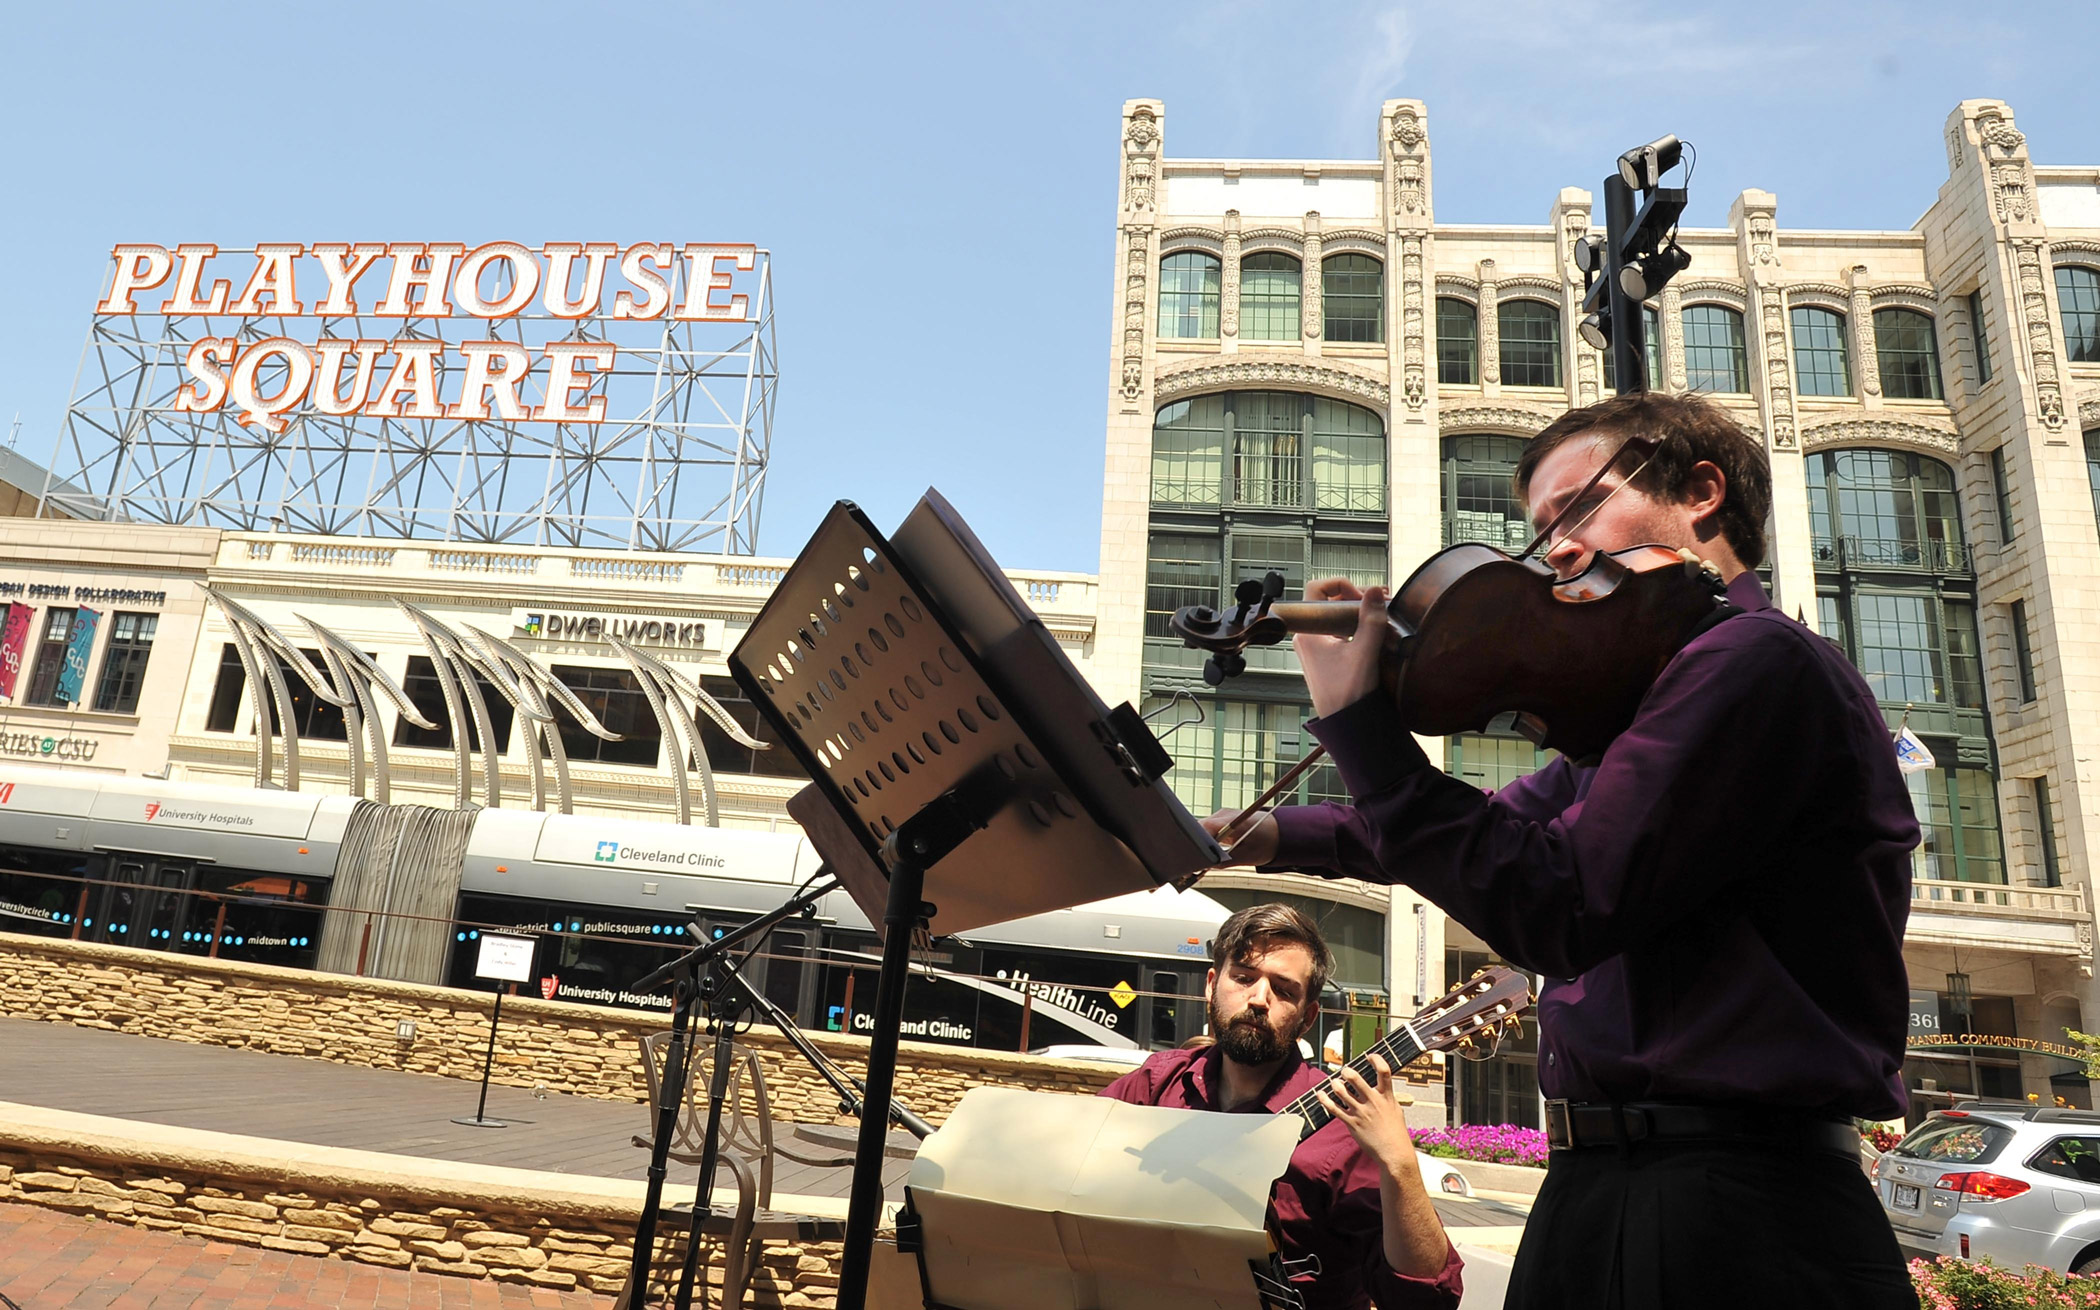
[{"x": 1664, "y": 1227}]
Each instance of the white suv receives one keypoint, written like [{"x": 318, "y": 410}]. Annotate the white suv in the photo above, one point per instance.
[{"x": 2009, "y": 1181}]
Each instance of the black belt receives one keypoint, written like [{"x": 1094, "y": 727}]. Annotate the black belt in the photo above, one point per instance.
[{"x": 1580, "y": 1125}]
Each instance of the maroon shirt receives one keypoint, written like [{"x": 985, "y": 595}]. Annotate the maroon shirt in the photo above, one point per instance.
[
  {"x": 1325, "y": 1205},
  {"x": 1717, "y": 905}
]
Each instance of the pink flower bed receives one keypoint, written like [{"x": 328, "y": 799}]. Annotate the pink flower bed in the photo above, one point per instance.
[{"x": 1490, "y": 1143}]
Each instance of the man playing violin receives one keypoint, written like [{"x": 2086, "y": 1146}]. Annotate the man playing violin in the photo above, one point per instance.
[
  {"x": 1716, "y": 903},
  {"x": 1352, "y": 1218}
]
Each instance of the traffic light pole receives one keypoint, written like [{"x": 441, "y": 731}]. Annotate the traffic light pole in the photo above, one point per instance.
[{"x": 1629, "y": 327}]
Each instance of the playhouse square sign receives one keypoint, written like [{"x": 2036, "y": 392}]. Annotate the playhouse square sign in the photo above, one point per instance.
[{"x": 336, "y": 368}]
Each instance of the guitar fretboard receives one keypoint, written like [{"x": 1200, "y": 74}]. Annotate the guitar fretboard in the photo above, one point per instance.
[{"x": 1398, "y": 1047}]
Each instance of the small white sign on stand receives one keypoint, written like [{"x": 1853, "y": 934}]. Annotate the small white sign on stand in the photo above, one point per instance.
[{"x": 503, "y": 959}]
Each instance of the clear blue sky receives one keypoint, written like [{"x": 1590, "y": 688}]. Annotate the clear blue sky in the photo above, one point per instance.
[{"x": 937, "y": 181}]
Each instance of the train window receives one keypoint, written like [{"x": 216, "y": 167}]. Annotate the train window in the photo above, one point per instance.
[
  {"x": 1166, "y": 1025},
  {"x": 598, "y": 956},
  {"x": 428, "y": 693},
  {"x": 267, "y": 918},
  {"x": 36, "y": 896}
]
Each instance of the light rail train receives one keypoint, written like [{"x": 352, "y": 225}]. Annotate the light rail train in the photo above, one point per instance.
[{"x": 346, "y": 885}]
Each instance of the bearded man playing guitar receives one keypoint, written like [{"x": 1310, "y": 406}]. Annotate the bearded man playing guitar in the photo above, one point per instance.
[
  {"x": 1716, "y": 902},
  {"x": 1352, "y": 1218}
]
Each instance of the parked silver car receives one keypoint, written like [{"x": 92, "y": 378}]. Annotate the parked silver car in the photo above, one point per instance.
[{"x": 2013, "y": 1182}]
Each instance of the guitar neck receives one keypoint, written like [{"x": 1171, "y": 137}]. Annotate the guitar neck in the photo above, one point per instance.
[{"x": 1398, "y": 1047}]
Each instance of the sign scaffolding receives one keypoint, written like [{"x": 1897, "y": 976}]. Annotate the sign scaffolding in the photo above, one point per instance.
[{"x": 573, "y": 394}]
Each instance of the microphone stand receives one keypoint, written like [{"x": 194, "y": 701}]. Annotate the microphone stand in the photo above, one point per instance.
[
  {"x": 684, "y": 974},
  {"x": 724, "y": 993}
]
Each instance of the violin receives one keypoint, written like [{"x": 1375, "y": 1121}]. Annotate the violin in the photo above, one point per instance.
[{"x": 1474, "y": 634}]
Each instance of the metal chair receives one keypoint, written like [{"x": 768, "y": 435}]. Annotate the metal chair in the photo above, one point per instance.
[{"x": 747, "y": 1147}]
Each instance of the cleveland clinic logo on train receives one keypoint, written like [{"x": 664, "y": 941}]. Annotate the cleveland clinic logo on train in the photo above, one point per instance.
[{"x": 264, "y": 379}]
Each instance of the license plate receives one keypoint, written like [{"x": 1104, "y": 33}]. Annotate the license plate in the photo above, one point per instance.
[{"x": 1906, "y": 1197}]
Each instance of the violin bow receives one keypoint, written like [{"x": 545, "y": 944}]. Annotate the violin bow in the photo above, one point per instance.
[
  {"x": 1229, "y": 835},
  {"x": 1647, "y": 450}
]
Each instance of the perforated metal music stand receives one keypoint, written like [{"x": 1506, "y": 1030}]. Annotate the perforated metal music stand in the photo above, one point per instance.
[{"x": 972, "y": 776}]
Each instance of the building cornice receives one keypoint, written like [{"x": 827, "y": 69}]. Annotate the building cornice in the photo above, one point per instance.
[
  {"x": 1329, "y": 377},
  {"x": 1911, "y": 433},
  {"x": 1513, "y": 420}
]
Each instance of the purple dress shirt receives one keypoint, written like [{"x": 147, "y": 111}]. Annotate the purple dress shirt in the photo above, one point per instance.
[
  {"x": 1325, "y": 1205},
  {"x": 1717, "y": 904}
]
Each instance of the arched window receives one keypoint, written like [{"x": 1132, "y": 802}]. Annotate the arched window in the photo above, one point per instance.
[
  {"x": 1247, "y": 448},
  {"x": 1822, "y": 361},
  {"x": 1910, "y": 355},
  {"x": 1651, "y": 346},
  {"x": 1530, "y": 343},
  {"x": 1189, "y": 283},
  {"x": 2078, "y": 297},
  {"x": 1457, "y": 342},
  {"x": 1269, "y": 297},
  {"x": 1884, "y": 508},
  {"x": 1348, "y": 459},
  {"x": 1714, "y": 358},
  {"x": 1352, "y": 298},
  {"x": 1479, "y": 502},
  {"x": 1188, "y": 452}
]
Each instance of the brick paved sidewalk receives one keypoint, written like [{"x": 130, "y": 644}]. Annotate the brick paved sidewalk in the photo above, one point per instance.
[{"x": 50, "y": 1261}]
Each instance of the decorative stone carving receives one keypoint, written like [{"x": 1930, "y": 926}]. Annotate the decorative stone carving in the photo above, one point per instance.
[
  {"x": 1955, "y": 147},
  {"x": 1490, "y": 333},
  {"x": 1996, "y": 132},
  {"x": 1915, "y": 433},
  {"x": 1407, "y": 143},
  {"x": 1756, "y": 219},
  {"x": 2089, "y": 413},
  {"x": 1866, "y": 358},
  {"x": 1141, "y": 138},
  {"x": 1323, "y": 377},
  {"x": 1408, "y": 139},
  {"x": 1779, "y": 382},
  {"x": 1414, "y": 372},
  {"x": 1671, "y": 312},
  {"x": 1312, "y": 316},
  {"x": 1229, "y": 291},
  {"x": 2028, "y": 263},
  {"x": 1517, "y": 420},
  {"x": 1574, "y": 222},
  {"x": 1764, "y": 239},
  {"x": 1137, "y": 263}
]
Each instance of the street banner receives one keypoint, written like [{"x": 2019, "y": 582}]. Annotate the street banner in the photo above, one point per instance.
[
  {"x": 14, "y": 640},
  {"x": 1911, "y": 755},
  {"x": 72, "y": 678}
]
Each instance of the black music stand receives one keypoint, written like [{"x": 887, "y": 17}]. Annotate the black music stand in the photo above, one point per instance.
[{"x": 939, "y": 717}]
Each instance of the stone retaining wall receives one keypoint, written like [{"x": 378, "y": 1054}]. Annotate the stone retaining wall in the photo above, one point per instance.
[
  {"x": 564, "y": 1047},
  {"x": 438, "y": 1216}
]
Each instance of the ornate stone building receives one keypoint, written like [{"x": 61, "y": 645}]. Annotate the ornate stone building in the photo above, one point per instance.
[{"x": 1309, "y": 373}]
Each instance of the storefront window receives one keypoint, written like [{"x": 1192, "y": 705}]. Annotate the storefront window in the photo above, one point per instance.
[
  {"x": 727, "y": 756},
  {"x": 616, "y": 700},
  {"x": 50, "y": 658},
  {"x": 428, "y": 694},
  {"x": 124, "y": 663}
]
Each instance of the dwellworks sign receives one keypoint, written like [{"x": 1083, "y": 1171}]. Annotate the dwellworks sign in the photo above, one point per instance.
[{"x": 641, "y": 629}]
